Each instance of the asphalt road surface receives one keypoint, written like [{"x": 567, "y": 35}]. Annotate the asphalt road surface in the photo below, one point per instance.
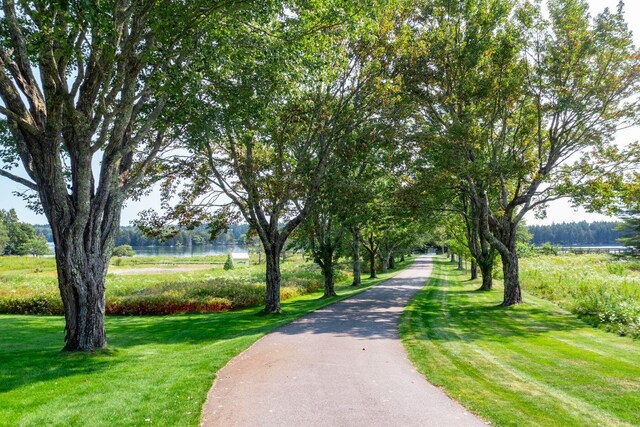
[{"x": 343, "y": 365}]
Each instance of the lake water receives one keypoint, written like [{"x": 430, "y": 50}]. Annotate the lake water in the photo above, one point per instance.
[
  {"x": 188, "y": 251},
  {"x": 182, "y": 251}
]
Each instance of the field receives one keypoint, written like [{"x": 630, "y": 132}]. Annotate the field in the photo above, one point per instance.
[
  {"x": 162, "y": 285},
  {"x": 528, "y": 365},
  {"x": 603, "y": 290},
  {"x": 156, "y": 370}
]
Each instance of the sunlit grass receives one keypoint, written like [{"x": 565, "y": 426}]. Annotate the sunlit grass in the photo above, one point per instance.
[
  {"x": 156, "y": 371},
  {"x": 602, "y": 289},
  {"x": 534, "y": 364}
]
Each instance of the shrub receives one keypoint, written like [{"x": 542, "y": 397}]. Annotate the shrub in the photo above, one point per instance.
[
  {"x": 123, "y": 250},
  {"x": 228, "y": 264},
  {"x": 548, "y": 249},
  {"x": 35, "y": 304}
]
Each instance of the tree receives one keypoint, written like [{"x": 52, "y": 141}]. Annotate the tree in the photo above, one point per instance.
[
  {"x": 265, "y": 127},
  {"x": 124, "y": 250},
  {"x": 18, "y": 233},
  {"x": 82, "y": 81},
  {"x": 321, "y": 236},
  {"x": 509, "y": 97},
  {"x": 36, "y": 246},
  {"x": 228, "y": 264},
  {"x": 4, "y": 237}
]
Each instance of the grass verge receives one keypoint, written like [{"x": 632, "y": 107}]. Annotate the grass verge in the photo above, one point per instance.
[
  {"x": 534, "y": 364},
  {"x": 156, "y": 371}
]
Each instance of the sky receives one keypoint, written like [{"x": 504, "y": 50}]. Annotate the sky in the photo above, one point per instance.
[{"x": 559, "y": 211}]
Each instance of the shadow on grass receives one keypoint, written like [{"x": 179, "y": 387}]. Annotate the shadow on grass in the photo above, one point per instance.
[
  {"x": 30, "y": 346},
  {"x": 455, "y": 310}
]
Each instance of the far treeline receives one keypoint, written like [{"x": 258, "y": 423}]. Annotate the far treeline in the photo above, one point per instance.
[
  {"x": 364, "y": 128},
  {"x": 130, "y": 235},
  {"x": 581, "y": 233},
  {"x": 564, "y": 234}
]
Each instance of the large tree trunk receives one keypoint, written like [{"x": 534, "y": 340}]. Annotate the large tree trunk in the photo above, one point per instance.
[
  {"x": 81, "y": 280},
  {"x": 83, "y": 250},
  {"x": 273, "y": 278},
  {"x": 355, "y": 248},
  {"x": 392, "y": 262},
  {"x": 383, "y": 264},
  {"x": 510, "y": 269},
  {"x": 329, "y": 280},
  {"x": 453, "y": 257},
  {"x": 460, "y": 267},
  {"x": 372, "y": 265},
  {"x": 402, "y": 258},
  {"x": 474, "y": 270},
  {"x": 486, "y": 269}
]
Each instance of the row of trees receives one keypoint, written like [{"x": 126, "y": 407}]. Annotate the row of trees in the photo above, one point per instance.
[
  {"x": 509, "y": 98},
  {"x": 309, "y": 121}
]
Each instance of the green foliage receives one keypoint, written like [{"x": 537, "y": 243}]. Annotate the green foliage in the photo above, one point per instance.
[
  {"x": 123, "y": 251},
  {"x": 630, "y": 229},
  {"x": 228, "y": 264},
  {"x": 4, "y": 236},
  {"x": 36, "y": 246},
  {"x": 549, "y": 249},
  {"x": 576, "y": 233},
  {"x": 21, "y": 236}
]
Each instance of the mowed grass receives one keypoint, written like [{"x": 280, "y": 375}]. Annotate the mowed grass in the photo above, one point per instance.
[
  {"x": 156, "y": 370},
  {"x": 530, "y": 365}
]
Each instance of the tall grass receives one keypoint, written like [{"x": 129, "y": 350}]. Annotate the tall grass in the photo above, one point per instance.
[
  {"x": 28, "y": 286},
  {"x": 604, "y": 290}
]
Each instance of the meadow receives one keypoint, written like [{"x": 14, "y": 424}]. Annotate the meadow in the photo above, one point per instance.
[
  {"x": 156, "y": 370},
  {"x": 529, "y": 365},
  {"x": 604, "y": 290},
  {"x": 157, "y": 285}
]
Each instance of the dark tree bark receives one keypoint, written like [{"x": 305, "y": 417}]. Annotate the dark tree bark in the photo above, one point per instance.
[
  {"x": 329, "y": 280},
  {"x": 460, "y": 266},
  {"x": 384, "y": 263},
  {"x": 453, "y": 257},
  {"x": 510, "y": 270},
  {"x": 402, "y": 258},
  {"x": 392, "y": 262},
  {"x": 373, "y": 249},
  {"x": 474, "y": 270},
  {"x": 486, "y": 269},
  {"x": 482, "y": 251},
  {"x": 273, "y": 279},
  {"x": 95, "y": 92},
  {"x": 372, "y": 266},
  {"x": 501, "y": 233},
  {"x": 355, "y": 255}
]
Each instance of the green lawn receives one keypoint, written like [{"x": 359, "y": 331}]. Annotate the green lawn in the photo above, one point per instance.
[
  {"x": 156, "y": 371},
  {"x": 534, "y": 364}
]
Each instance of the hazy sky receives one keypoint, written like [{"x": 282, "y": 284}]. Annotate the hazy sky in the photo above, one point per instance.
[{"x": 559, "y": 211}]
